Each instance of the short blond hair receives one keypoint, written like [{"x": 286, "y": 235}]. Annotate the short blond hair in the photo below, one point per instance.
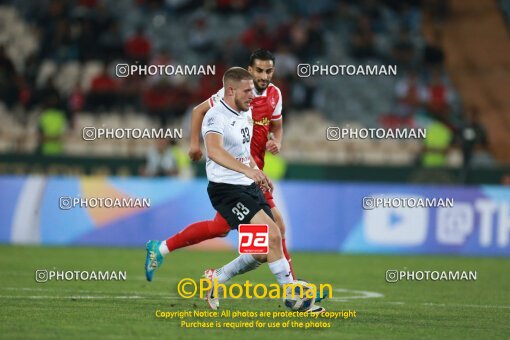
[{"x": 236, "y": 74}]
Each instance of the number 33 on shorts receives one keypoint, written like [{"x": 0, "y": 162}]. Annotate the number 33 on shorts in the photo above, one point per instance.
[{"x": 241, "y": 211}]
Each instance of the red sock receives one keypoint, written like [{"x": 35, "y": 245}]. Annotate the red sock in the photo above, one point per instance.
[
  {"x": 198, "y": 232},
  {"x": 287, "y": 256}
]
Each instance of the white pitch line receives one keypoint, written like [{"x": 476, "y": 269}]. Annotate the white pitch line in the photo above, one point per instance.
[
  {"x": 171, "y": 297},
  {"x": 77, "y": 291},
  {"x": 129, "y": 278},
  {"x": 395, "y": 302},
  {"x": 460, "y": 305},
  {"x": 142, "y": 278},
  {"x": 81, "y": 297},
  {"x": 361, "y": 294}
]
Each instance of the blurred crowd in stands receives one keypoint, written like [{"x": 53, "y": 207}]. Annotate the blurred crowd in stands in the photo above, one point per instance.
[{"x": 223, "y": 33}]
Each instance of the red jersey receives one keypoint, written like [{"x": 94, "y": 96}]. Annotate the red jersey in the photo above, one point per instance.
[{"x": 265, "y": 107}]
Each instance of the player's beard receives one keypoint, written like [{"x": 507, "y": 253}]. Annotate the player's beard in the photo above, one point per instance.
[
  {"x": 260, "y": 89},
  {"x": 241, "y": 105}
]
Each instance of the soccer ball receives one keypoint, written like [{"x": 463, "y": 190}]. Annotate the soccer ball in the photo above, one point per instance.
[{"x": 302, "y": 299}]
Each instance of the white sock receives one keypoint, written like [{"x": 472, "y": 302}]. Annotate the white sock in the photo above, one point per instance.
[
  {"x": 281, "y": 269},
  {"x": 163, "y": 248},
  {"x": 240, "y": 265}
]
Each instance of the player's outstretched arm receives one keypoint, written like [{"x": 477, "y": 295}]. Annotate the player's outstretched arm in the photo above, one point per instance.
[
  {"x": 216, "y": 152},
  {"x": 274, "y": 144},
  {"x": 197, "y": 116}
]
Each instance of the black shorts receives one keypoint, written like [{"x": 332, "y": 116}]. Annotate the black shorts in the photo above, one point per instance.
[{"x": 237, "y": 203}]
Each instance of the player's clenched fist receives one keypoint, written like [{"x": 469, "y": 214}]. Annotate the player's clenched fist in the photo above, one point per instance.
[
  {"x": 273, "y": 147},
  {"x": 257, "y": 176},
  {"x": 267, "y": 186},
  {"x": 195, "y": 153}
]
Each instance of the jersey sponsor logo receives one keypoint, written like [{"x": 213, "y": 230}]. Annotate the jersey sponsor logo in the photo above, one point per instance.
[
  {"x": 253, "y": 239},
  {"x": 262, "y": 122},
  {"x": 243, "y": 160},
  {"x": 273, "y": 102},
  {"x": 210, "y": 121},
  {"x": 233, "y": 123}
]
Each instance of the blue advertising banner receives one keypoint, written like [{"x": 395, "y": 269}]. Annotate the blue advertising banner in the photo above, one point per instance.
[{"x": 319, "y": 216}]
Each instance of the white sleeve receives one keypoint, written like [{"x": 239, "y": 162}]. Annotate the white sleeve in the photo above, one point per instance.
[
  {"x": 215, "y": 98},
  {"x": 277, "y": 113},
  {"x": 213, "y": 123}
]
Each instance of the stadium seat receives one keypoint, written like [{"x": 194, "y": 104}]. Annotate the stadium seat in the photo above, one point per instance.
[
  {"x": 68, "y": 76},
  {"x": 90, "y": 70},
  {"x": 47, "y": 69}
]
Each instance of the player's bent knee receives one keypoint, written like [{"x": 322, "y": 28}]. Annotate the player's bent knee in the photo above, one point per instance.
[
  {"x": 274, "y": 236},
  {"x": 275, "y": 239},
  {"x": 282, "y": 229}
]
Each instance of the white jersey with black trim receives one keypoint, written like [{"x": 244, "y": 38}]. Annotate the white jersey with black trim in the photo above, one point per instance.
[{"x": 236, "y": 129}]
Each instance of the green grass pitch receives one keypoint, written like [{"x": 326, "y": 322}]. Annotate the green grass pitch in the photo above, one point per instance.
[{"x": 126, "y": 309}]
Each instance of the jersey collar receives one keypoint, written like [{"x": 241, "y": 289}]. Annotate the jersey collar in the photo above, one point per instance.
[
  {"x": 264, "y": 93},
  {"x": 229, "y": 108}
]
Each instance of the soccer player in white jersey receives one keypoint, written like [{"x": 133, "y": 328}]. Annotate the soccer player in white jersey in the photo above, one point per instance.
[{"x": 266, "y": 108}]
